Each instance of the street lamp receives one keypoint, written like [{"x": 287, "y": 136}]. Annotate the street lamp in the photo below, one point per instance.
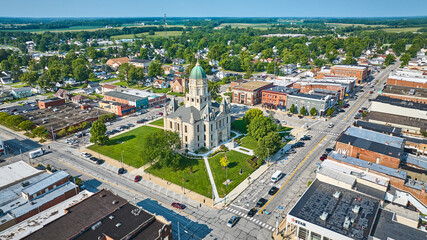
[{"x": 183, "y": 181}]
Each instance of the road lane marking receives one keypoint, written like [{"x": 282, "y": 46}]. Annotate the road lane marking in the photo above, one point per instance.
[{"x": 302, "y": 162}]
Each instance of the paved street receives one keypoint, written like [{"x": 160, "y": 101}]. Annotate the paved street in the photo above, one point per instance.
[{"x": 202, "y": 222}]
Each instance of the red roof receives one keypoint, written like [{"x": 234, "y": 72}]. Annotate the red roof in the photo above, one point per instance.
[{"x": 109, "y": 86}]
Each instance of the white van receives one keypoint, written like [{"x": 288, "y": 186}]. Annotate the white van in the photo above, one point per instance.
[
  {"x": 276, "y": 176},
  {"x": 36, "y": 153}
]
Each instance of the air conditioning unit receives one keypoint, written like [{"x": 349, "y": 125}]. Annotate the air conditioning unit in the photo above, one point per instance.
[
  {"x": 356, "y": 209},
  {"x": 337, "y": 194},
  {"x": 324, "y": 216}
]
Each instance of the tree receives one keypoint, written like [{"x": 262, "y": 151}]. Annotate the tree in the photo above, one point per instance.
[
  {"x": 26, "y": 125},
  {"x": 213, "y": 89},
  {"x": 62, "y": 133},
  {"x": 162, "y": 146},
  {"x": 224, "y": 162},
  {"x": 405, "y": 58},
  {"x": 389, "y": 59},
  {"x": 303, "y": 111},
  {"x": 330, "y": 111},
  {"x": 129, "y": 73},
  {"x": 155, "y": 69},
  {"x": 97, "y": 132},
  {"x": 40, "y": 131},
  {"x": 248, "y": 73},
  {"x": 30, "y": 78},
  {"x": 260, "y": 127},
  {"x": 293, "y": 109},
  {"x": 269, "y": 144},
  {"x": 14, "y": 120},
  {"x": 313, "y": 111},
  {"x": 251, "y": 114}
]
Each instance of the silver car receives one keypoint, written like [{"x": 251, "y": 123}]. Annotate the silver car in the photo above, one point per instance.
[{"x": 233, "y": 220}]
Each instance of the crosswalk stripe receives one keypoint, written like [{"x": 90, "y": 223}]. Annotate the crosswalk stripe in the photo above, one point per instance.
[
  {"x": 269, "y": 227},
  {"x": 256, "y": 221},
  {"x": 251, "y": 218},
  {"x": 263, "y": 225}
]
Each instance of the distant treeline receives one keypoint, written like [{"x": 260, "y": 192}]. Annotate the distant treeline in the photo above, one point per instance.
[{"x": 390, "y": 22}]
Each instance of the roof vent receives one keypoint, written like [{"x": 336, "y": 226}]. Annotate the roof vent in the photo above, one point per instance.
[
  {"x": 337, "y": 194},
  {"x": 115, "y": 202},
  {"x": 102, "y": 195},
  {"x": 356, "y": 209},
  {"x": 96, "y": 225},
  {"x": 324, "y": 216},
  {"x": 347, "y": 223},
  {"x": 111, "y": 217},
  {"x": 118, "y": 224}
]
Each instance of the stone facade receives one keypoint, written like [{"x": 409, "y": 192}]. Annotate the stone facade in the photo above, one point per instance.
[{"x": 199, "y": 122}]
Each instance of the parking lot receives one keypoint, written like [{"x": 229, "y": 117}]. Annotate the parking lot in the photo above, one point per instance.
[{"x": 62, "y": 116}]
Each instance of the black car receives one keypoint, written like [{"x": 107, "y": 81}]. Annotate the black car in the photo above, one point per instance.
[
  {"x": 299, "y": 144},
  {"x": 289, "y": 115},
  {"x": 121, "y": 171},
  {"x": 341, "y": 110},
  {"x": 300, "y": 116},
  {"x": 261, "y": 202},
  {"x": 252, "y": 212},
  {"x": 124, "y": 127},
  {"x": 99, "y": 161},
  {"x": 328, "y": 150},
  {"x": 93, "y": 159},
  {"x": 114, "y": 131},
  {"x": 273, "y": 191}
]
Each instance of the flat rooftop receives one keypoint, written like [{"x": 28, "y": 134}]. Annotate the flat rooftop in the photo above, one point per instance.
[
  {"x": 406, "y": 91},
  {"x": 386, "y": 227},
  {"x": 43, "y": 183},
  {"x": 408, "y": 79},
  {"x": 125, "y": 96},
  {"x": 395, "y": 131},
  {"x": 310, "y": 96},
  {"x": 368, "y": 165},
  {"x": 15, "y": 172},
  {"x": 418, "y": 161},
  {"x": 397, "y": 119},
  {"x": 252, "y": 85},
  {"x": 400, "y": 103},
  {"x": 49, "y": 100},
  {"x": 319, "y": 198},
  {"x": 282, "y": 89},
  {"x": 374, "y": 136},
  {"x": 350, "y": 67}
]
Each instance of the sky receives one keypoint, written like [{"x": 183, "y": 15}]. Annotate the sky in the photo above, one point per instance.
[{"x": 213, "y": 8}]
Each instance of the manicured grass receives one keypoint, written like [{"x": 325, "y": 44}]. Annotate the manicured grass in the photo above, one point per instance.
[
  {"x": 249, "y": 142},
  {"x": 159, "y": 90},
  {"x": 237, "y": 161},
  {"x": 98, "y": 95},
  {"x": 196, "y": 180},
  {"x": 176, "y": 94},
  {"x": 239, "y": 126},
  {"x": 130, "y": 142},
  {"x": 122, "y": 84},
  {"x": 17, "y": 85},
  {"x": 160, "y": 122},
  {"x": 109, "y": 80}
]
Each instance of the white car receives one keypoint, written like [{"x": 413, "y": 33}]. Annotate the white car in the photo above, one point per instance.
[
  {"x": 86, "y": 155},
  {"x": 331, "y": 125}
]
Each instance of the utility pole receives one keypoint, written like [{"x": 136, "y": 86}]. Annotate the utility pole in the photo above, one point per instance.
[
  {"x": 277, "y": 223},
  {"x": 53, "y": 136},
  {"x": 122, "y": 159},
  {"x": 20, "y": 151},
  {"x": 179, "y": 235}
]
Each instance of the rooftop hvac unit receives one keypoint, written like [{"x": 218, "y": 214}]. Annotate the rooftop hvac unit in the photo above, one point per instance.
[
  {"x": 111, "y": 217},
  {"x": 118, "y": 224},
  {"x": 337, "y": 194},
  {"x": 347, "y": 223},
  {"x": 324, "y": 216},
  {"x": 356, "y": 209},
  {"x": 96, "y": 225}
]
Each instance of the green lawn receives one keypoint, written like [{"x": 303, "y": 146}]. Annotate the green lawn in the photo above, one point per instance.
[
  {"x": 239, "y": 126},
  {"x": 129, "y": 142},
  {"x": 237, "y": 161},
  {"x": 159, "y": 90},
  {"x": 122, "y": 84},
  {"x": 249, "y": 142},
  {"x": 109, "y": 80},
  {"x": 176, "y": 94},
  {"x": 197, "y": 180},
  {"x": 159, "y": 122}
]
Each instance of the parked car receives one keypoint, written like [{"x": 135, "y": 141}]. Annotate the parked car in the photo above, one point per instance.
[
  {"x": 137, "y": 178},
  {"x": 371, "y": 92},
  {"x": 328, "y": 150},
  {"x": 158, "y": 106},
  {"x": 261, "y": 202},
  {"x": 232, "y": 221},
  {"x": 160, "y": 113},
  {"x": 289, "y": 115},
  {"x": 93, "y": 159},
  {"x": 99, "y": 161},
  {"x": 131, "y": 125},
  {"x": 273, "y": 190},
  {"x": 252, "y": 212},
  {"x": 86, "y": 155},
  {"x": 141, "y": 121},
  {"x": 300, "y": 116},
  {"x": 121, "y": 171},
  {"x": 178, "y": 205},
  {"x": 341, "y": 110}
]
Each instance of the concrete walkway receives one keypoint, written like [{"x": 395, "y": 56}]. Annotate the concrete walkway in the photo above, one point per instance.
[{"x": 211, "y": 179}]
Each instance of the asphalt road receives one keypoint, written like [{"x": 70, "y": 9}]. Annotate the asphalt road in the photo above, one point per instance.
[{"x": 202, "y": 222}]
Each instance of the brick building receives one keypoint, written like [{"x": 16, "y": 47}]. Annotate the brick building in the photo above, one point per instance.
[
  {"x": 51, "y": 102},
  {"x": 179, "y": 85},
  {"x": 105, "y": 216},
  {"x": 359, "y": 72},
  {"x": 128, "y": 99},
  {"x": 119, "y": 109},
  {"x": 307, "y": 87},
  {"x": 418, "y": 95},
  {"x": 412, "y": 82},
  {"x": 31, "y": 191},
  {"x": 249, "y": 93},
  {"x": 371, "y": 146},
  {"x": 108, "y": 88},
  {"x": 115, "y": 63},
  {"x": 309, "y": 101},
  {"x": 275, "y": 97}
]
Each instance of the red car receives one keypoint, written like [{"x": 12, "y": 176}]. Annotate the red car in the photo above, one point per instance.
[
  {"x": 178, "y": 205},
  {"x": 137, "y": 178},
  {"x": 160, "y": 113},
  {"x": 323, "y": 157},
  {"x": 157, "y": 106},
  {"x": 360, "y": 111},
  {"x": 371, "y": 92}
]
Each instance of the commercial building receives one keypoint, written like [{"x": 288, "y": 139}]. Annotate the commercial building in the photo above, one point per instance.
[
  {"x": 26, "y": 191},
  {"x": 199, "y": 122},
  {"x": 385, "y": 129},
  {"x": 51, "y": 102},
  {"x": 412, "y": 82},
  {"x": 21, "y": 92},
  {"x": 309, "y": 101},
  {"x": 152, "y": 99},
  {"x": 125, "y": 98},
  {"x": 119, "y": 109},
  {"x": 105, "y": 216},
  {"x": 410, "y": 116},
  {"x": 249, "y": 93},
  {"x": 108, "y": 88},
  {"x": 337, "y": 89},
  {"x": 359, "y": 72},
  {"x": 346, "y": 203},
  {"x": 144, "y": 63},
  {"x": 418, "y": 95},
  {"x": 371, "y": 146},
  {"x": 115, "y": 63},
  {"x": 275, "y": 97}
]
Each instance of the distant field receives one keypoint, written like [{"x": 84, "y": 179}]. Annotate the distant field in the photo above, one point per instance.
[
  {"x": 396, "y": 30},
  {"x": 356, "y": 25},
  {"x": 262, "y": 26},
  {"x": 82, "y": 28},
  {"x": 156, "y": 34}
]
